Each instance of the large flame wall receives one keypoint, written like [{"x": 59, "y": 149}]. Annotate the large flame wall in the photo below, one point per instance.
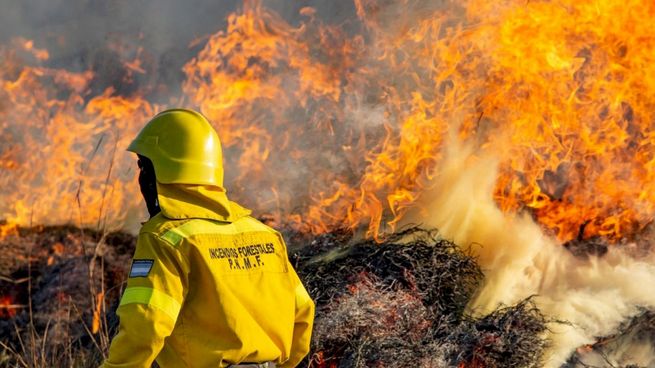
[{"x": 332, "y": 124}]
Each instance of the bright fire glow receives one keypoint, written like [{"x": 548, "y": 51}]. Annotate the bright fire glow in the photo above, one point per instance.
[{"x": 325, "y": 127}]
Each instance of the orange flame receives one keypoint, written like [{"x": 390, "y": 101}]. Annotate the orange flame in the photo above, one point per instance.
[
  {"x": 97, "y": 312},
  {"x": 327, "y": 128},
  {"x": 58, "y": 167},
  {"x": 8, "y": 229},
  {"x": 7, "y": 307},
  {"x": 561, "y": 93}
]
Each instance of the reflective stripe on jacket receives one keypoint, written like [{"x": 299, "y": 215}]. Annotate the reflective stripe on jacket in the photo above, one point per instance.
[{"x": 207, "y": 293}]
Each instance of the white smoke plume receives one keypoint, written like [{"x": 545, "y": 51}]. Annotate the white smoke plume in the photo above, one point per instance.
[{"x": 586, "y": 298}]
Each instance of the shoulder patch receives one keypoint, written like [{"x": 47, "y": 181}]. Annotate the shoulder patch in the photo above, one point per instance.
[{"x": 141, "y": 267}]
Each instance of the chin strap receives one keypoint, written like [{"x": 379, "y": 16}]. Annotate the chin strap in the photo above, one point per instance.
[{"x": 148, "y": 184}]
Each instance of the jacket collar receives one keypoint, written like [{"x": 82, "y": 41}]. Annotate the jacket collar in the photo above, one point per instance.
[{"x": 184, "y": 201}]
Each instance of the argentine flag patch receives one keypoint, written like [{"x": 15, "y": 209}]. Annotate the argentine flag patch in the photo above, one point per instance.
[{"x": 141, "y": 267}]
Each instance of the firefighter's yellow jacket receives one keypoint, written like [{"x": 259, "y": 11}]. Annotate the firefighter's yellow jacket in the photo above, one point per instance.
[{"x": 210, "y": 286}]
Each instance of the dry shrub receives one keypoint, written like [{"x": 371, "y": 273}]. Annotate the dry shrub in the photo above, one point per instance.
[{"x": 401, "y": 303}]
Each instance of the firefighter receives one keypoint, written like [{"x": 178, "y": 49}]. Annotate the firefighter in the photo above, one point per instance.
[{"x": 209, "y": 285}]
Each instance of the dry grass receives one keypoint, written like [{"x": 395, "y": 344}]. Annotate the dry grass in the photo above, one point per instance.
[{"x": 65, "y": 281}]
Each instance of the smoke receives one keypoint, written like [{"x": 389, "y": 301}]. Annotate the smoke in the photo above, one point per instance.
[
  {"x": 585, "y": 297},
  {"x": 78, "y": 27}
]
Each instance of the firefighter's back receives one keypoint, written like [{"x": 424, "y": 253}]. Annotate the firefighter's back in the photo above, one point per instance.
[{"x": 240, "y": 301}]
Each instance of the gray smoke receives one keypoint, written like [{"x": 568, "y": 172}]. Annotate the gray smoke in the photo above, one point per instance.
[{"x": 78, "y": 34}]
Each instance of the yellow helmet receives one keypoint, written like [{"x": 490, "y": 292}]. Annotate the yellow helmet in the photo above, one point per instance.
[{"x": 183, "y": 147}]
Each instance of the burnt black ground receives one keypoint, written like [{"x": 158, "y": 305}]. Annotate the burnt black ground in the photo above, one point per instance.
[{"x": 400, "y": 302}]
